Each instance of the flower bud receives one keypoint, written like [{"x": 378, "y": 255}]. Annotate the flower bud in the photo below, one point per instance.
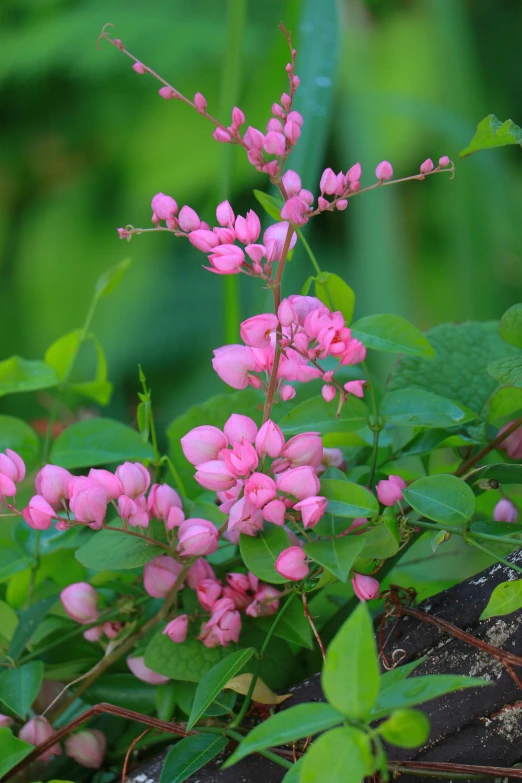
[
  {"x": 505, "y": 511},
  {"x": 341, "y": 204},
  {"x": 143, "y": 673},
  {"x": 188, "y": 219},
  {"x": 427, "y": 166},
  {"x": 139, "y": 68},
  {"x": 328, "y": 392},
  {"x": 287, "y": 393},
  {"x": 328, "y": 182},
  {"x": 220, "y": 134},
  {"x": 107, "y": 481},
  {"x": 244, "y": 518},
  {"x": 247, "y": 229},
  {"x": 5, "y": 721},
  {"x": 233, "y": 363},
  {"x": 80, "y": 601},
  {"x": 203, "y": 240},
  {"x": 225, "y": 214},
  {"x": 38, "y": 514},
  {"x": 312, "y": 509},
  {"x": 168, "y": 93},
  {"x": 87, "y": 748},
  {"x": 133, "y": 511},
  {"x": 200, "y": 102},
  {"x": 389, "y": 491},
  {"x": 208, "y": 592},
  {"x": 384, "y": 171},
  {"x": 177, "y": 629},
  {"x": 256, "y": 331},
  {"x": 354, "y": 173},
  {"x": 160, "y": 575},
  {"x": 265, "y": 603},
  {"x": 238, "y": 427},
  {"x": 292, "y": 183},
  {"x": 199, "y": 571},
  {"x": 295, "y": 210},
  {"x": 291, "y": 563},
  {"x": 300, "y": 482},
  {"x": 12, "y": 465},
  {"x": 197, "y": 537},
  {"x": 134, "y": 478},
  {"x": 275, "y": 143},
  {"x": 225, "y": 622},
  {"x": 162, "y": 497},
  {"x": 203, "y": 444},
  {"x": 304, "y": 449},
  {"x": 36, "y": 731},
  {"x": 260, "y": 489},
  {"x": 94, "y": 634},
  {"x": 355, "y": 387},
  {"x": 365, "y": 587},
  {"x": 226, "y": 259},
  {"x": 274, "y": 512},
  {"x": 444, "y": 161},
  {"x": 164, "y": 207},
  {"x": 270, "y": 440},
  {"x": 215, "y": 475},
  {"x": 88, "y": 502}
]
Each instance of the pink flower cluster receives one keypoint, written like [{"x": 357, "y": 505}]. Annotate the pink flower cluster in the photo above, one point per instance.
[
  {"x": 310, "y": 332},
  {"x": 227, "y": 462},
  {"x": 12, "y": 471}
]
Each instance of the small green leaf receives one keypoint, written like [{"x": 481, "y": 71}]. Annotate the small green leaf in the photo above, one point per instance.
[
  {"x": 336, "y": 554},
  {"x": 438, "y": 539},
  {"x": 505, "y": 598},
  {"x": 29, "y": 621},
  {"x": 393, "y": 334},
  {"x": 398, "y": 674},
  {"x": 306, "y": 285},
  {"x": 292, "y": 626},
  {"x": 408, "y": 693},
  {"x": 315, "y": 414},
  {"x": 511, "y": 326},
  {"x": 109, "y": 550},
  {"x": 507, "y": 371},
  {"x": 215, "y": 680},
  {"x": 12, "y": 751},
  {"x": 492, "y": 133},
  {"x": 188, "y": 661},
  {"x": 8, "y": 621},
  {"x": 270, "y": 204},
  {"x": 17, "y": 435},
  {"x": 110, "y": 279},
  {"x": 303, "y": 720},
  {"x": 419, "y": 408},
  {"x": 336, "y": 294},
  {"x": 62, "y": 353},
  {"x": 143, "y": 419},
  {"x": 12, "y": 559},
  {"x": 190, "y": 754},
  {"x": 98, "y": 441},
  {"x": 24, "y": 375},
  {"x": 405, "y": 728},
  {"x": 350, "y": 677},
  {"x": 381, "y": 541},
  {"x": 19, "y": 687},
  {"x": 443, "y": 498},
  {"x": 341, "y": 755},
  {"x": 260, "y": 552},
  {"x": 347, "y": 499}
]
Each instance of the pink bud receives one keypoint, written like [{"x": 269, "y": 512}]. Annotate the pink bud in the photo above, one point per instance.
[
  {"x": 160, "y": 575},
  {"x": 189, "y": 219},
  {"x": 505, "y": 511},
  {"x": 292, "y": 131},
  {"x": 291, "y": 563},
  {"x": 224, "y": 623},
  {"x": 296, "y": 211},
  {"x": 286, "y": 314},
  {"x": 384, "y": 171},
  {"x": 365, "y": 587},
  {"x": 203, "y": 240},
  {"x": 93, "y": 634},
  {"x": 238, "y": 427},
  {"x": 142, "y": 672},
  {"x": 199, "y": 571},
  {"x": 222, "y": 135},
  {"x": 241, "y": 460},
  {"x": 255, "y": 253},
  {"x": 307, "y": 196},
  {"x": 265, "y": 603},
  {"x": 275, "y": 125},
  {"x": 292, "y": 182},
  {"x": 134, "y": 478},
  {"x": 512, "y": 444},
  {"x": 215, "y": 475},
  {"x": 226, "y": 236},
  {"x": 80, "y": 601},
  {"x": 354, "y": 173},
  {"x": 270, "y": 440},
  {"x": 342, "y": 204},
  {"x": 36, "y": 731},
  {"x": 164, "y": 206},
  {"x": 328, "y": 182},
  {"x": 225, "y": 214},
  {"x": 238, "y": 117},
  {"x": 260, "y": 489},
  {"x": 38, "y": 514},
  {"x": 133, "y": 511},
  {"x": 5, "y": 721},
  {"x": 227, "y": 259},
  {"x": 296, "y": 81},
  {"x": 355, "y": 387},
  {"x": 354, "y": 353},
  {"x": 427, "y": 166},
  {"x": 175, "y": 517},
  {"x": 253, "y": 138},
  {"x": 389, "y": 491},
  {"x": 111, "y": 629},
  {"x": 444, "y": 161},
  {"x": 274, "y": 512},
  {"x": 304, "y": 449},
  {"x": 12, "y": 465},
  {"x": 328, "y": 392},
  {"x": 139, "y": 68},
  {"x": 233, "y": 363},
  {"x": 208, "y": 592},
  {"x": 244, "y": 518},
  {"x": 203, "y": 444},
  {"x": 107, "y": 481},
  {"x": 256, "y": 331},
  {"x": 275, "y": 143},
  {"x": 197, "y": 537},
  {"x": 87, "y": 748},
  {"x": 177, "y": 629},
  {"x": 278, "y": 110},
  {"x": 286, "y": 100},
  {"x": 323, "y": 203},
  {"x": 312, "y": 509},
  {"x": 162, "y": 497},
  {"x": 168, "y": 93},
  {"x": 247, "y": 229},
  {"x": 300, "y": 482},
  {"x": 274, "y": 240},
  {"x": 200, "y": 102},
  {"x": 334, "y": 457},
  {"x": 123, "y": 233},
  {"x": 118, "y": 42},
  {"x": 287, "y": 393}
]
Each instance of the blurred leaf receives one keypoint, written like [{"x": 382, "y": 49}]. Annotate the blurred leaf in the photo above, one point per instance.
[
  {"x": 505, "y": 598},
  {"x": 8, "y": 621},
  {"x": 185, "y": 692},
  {"x": 420, "y": 408},
  {"x": 29, "y": 621},
  {"x": 190, "y": 754},
  {"x": 109, "y": 550},
  {"x": 62, "y": 353},
  {"x": 260, "y": 552},
  {"x": 292, "y": 626},
  {"x": 496, "y": 528},
  {"x": 335, "y": 294},
  {"x": 505, "y": 405},
  {"x": 507, "y": 371},
  {"x": 110, "y": 279},
  {"x": 100, "y": 389},
  {"x": 270, "y": 204},
  {"x": 20, "y": 686},
  {"x": 347, "y": 499},
  {"x": 294, "y": 773},
  {"x": 24, "y": 375},
  {"x": 405, "y": 728},
  {"x": 443, "y": 498},
  {"x": 17, "y": 435},
  {"x": 12, "y": 559},
  {"x": 491, "y": 133},
  {"x": 336, "y": 554},
  {"x": 511, "y": 326},
  {"x": 189, "y": 660},
  {"x": 504, "y": 473},
  {"x": 12, "y": 750},
  {"x": 382, "y": 540},
  {"x": 392, "y": 333},
  {"x": 143, "y": 419},
  {"x": 215, "y": 680},
  {"x": 124, "y": 690},
  {"x": 100, "y": 441},
  {"x": 165, "y": 700},
  {"x": 408, "y": 693},
  {"x": 345, "y": 752},
  {"x": 317, "y": 414}
]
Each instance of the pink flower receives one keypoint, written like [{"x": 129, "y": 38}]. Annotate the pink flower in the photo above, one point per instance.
[
  {"x": 275, "y": 143},
  {"x": 12, "y": 465},
  {"x": 80, "y": 601},
  {"x": 365, "y": 587},
  {"x": 203, "y": 240},
  {"x": 270, "y": 440},
  {"x": 312, "y": 509},
  {"x": 203, "y": 444},
  {"x": 300, "y": 482},
  {"x": 444, "y": 161},
  {"x": 199, "y": 571},
  {"x": 108, "y": 481},
  {"x": 38, "y": 514},
  {"x": 513, "y": 443},
  {"x": 238, "y": 427},
  {"x": 384, "y": 171},
  {"x": 233, "y": 363},
  {"x": 229, "y": 496},
  {"x": 328, "y": 182},
  {"x": 5, "y": 721},
  {"x": 354, "y": 173},
  {"x": 208, "y": 592},
  {"x": 225, "y": 214},
  {"x": 134, "y": 478},
  {"x": 253, "y": 138},
  {"x": 227, "y": 259},
  {"x": 292, "y": 131},
  {"x": 241, "y": 460},
  {"x": 175, "y": 517},
  {"x": 296, "y": 211},
  {"x": 274, "y": 512},
  {"x": 142, "y": 672},
  {"x": 287, "y": 393},
  {"x": 274, "y": 240},
  {"x": 197, "y": 537},
  {"x": 342, "y": 204},
  {"x": 164, "y": 206},
  {"x": 36, "y": 731},
  {"x": 88, "y": 504},
  {"x": 215, "y": 475},
  {"x": 355, "y": 387},
  {"x": 303, "y": 305},
  {"x": 505, "y": 511},
  {"x": 247, "y": 229},
  {"x": 331, "y": 457},
  {"x": 427, "y": 166},
  {"x": 225, "y": 622},
  {"x": 292, "y": 182},
  {"x": 260, "y": 489},
  {"x": 111, "y": 629},
  {"x": 168, "y": 93},
  {"x": 291, "y": 563},
  {"x": 87, "y": 748},
  {"x": 244, "y": 518},
  {"x": 256, "y": 331},
  {"x": 162, "y": 497},
  {"x": 177, "y": 629},
  {"x": 189, "y": 219},
  {"x": 389, "y": 491},
  {"x": 160, "y": 575},
  {"x": 355, "y": 352},
  {"x": 200, "y": 102},
  {"x": 238, "y": 117},
  {"x": 265, "y": 603},
  {"x": 286, "y": 314},
  {"x": 304, "y": 449},
  {"x": 93, "y": 634},
  {"x": 328, "y": 392},
  {"x": 133, "y": 511}
]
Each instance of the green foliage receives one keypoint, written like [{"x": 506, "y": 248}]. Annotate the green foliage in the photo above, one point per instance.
[
  {"x": 406, "y": 728},
  {"x": 17, "y": 435},
  {"x": 505, "y": 598},
  {"x": 12, "y": 750},
  {"x": 336, "y": 554},
  {"x": 110, "y": 279},
  {"x": 292, "y": 626},
  {"x": 100, "y": 441},
  {"x": 12, "y": 559},
  {"x": 189, "y": 660},
  {"x": 345, "y": 752},
  {"x": 19, "y": 687},
  {"x": 346, "y": 499},
  {"x": 511, "y": 326},
  {"x": 443, "y": 498},
  {"x": 215, "y": 680},
  {"x": 124, "y": 690},
  {"x": 29, "y": 621},
  {"x": 419, "y": 408},
  {"x": 190, "y": 754},
  {"x": 24, "y": 375},
  {"x": 507, "y": 371},
  {"x": 336, "y": 294},
  {"x": 317, "y": 415},
  {"x": 410, "y": 692},
  {"x": 492, "y": 133},
  {"x": 110, "y": 550},
  {"x": 62, "y": 354},
  {"x": 393, "y": 334},
  {"x": 260, "y": 552},
  {"x": 382, "y": 540}
]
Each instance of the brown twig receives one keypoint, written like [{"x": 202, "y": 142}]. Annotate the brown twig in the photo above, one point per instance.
[
  {"x": 129, "y": 753},
  {"x": 467, "y": 464},
  {"x": 444, "y": 769},
  {"x": 312, "y": 625}
]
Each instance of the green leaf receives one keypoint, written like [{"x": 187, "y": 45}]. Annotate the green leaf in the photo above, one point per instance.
[
  {"x": 185, "y": 692},
  {"x": 12, "y": 751},
  {"x": 344, "y": 754},
  {"x": 99, "y": 389},
  {"x": 398, "y": 674},
  {"x": 511, "y": 326},
  {"x": 19, "y": 687},
  {"x": 350, "y": 677},
  {"x": 336, "y": 554},
  {"x": 62, "y": 354},
  {"x": 501, "y": 472},
  {"x": 110, "y": 279},
  {"x": 419, "y": 408},
  {"x": 496, "y": 528},
  {"x": 98, "y": 441},
  {"x": 260, "y": 552},
  {"x": 315, "y": 414},
  {"x": 293, "y": 626},
  {"x": 505, "y": 405},
  {"x": 29, "y": 621},
  {"x": 123, "y": 690},
  {"x": 405, "y": 728},
  {"x": 12, "y": 559},
  {"x": 189, "y": 660},
  {"x": 17, "y": 435},
  {"x": 507, "y": 371},
  {"x": 492, "y": 133},
  {"x": 270, "y": 204},
  {"x": 215, "y": 680},
  {"x": 8, "y": 621},
  {"x": 443, "y": 498},
  {"x": 190, "y": 754},
  {"x": 24, "y": 375},
  {"x": 393, "y": 334},
  {"x": 303, "y": 720},
  {"x": 505, "y": 598},
  {"x": 381, "y": 541},
  {"x": 143, "y": 419},
  {"x": 294, "y": 773},
  {"x": 109, "y": 550},
  {"x": 347, "y": 499},
  {"x": 336, "y": 294},
  {"x": 408, "y": 693}
]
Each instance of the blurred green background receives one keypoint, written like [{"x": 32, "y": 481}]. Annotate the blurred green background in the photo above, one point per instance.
[{"x": 86, "y": 143}]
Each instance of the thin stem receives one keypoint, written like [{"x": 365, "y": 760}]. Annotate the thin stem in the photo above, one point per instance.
[
  {"x": 175, "y": 475},
  {"x": 311, "y": 254},
  {"x": 148, "y": 540},
  {"x": 35, "y": 567},
  {"x": 376, "y": 425},
  {"x": 465, "y": 466},
  {"x": 440, "y": 769},
  {"x": 489, "y": 552},
  {"x": 312, "y": 626}
]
